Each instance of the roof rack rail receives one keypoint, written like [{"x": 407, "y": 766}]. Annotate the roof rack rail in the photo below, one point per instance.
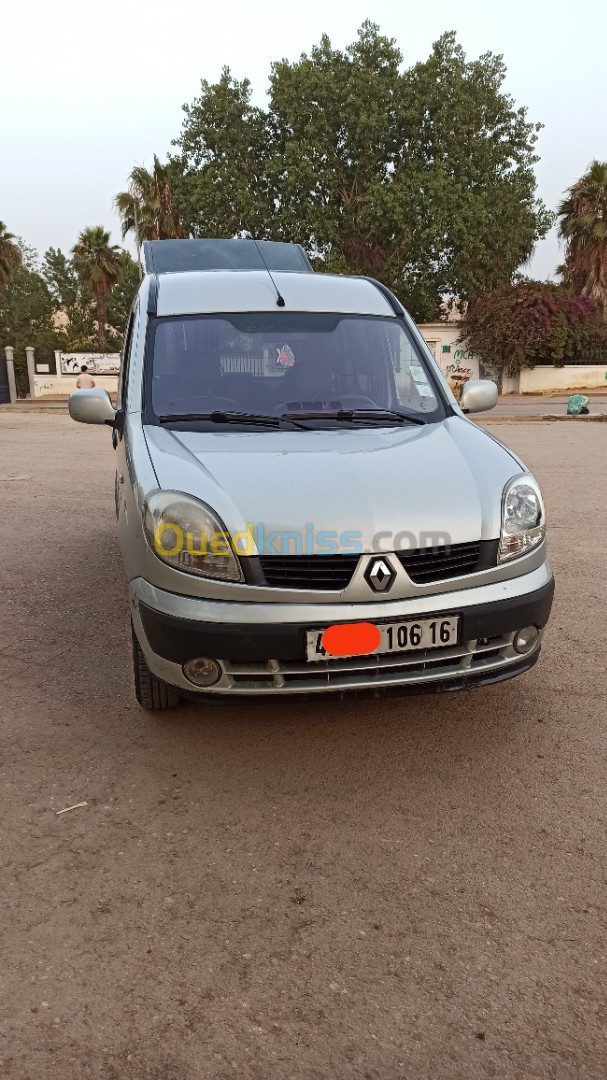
[{"x": 181, "y": 256}]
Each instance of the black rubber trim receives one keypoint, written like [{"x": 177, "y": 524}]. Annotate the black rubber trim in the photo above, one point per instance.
[
  {"x": 488, "y": 554},
  {"x": 153, "y": 296},
  {"x": 395, "y": 304},
  {"x": 148, "y": 258},
  {"x": 179, "y": 640},
  {"x": 489, "y": 620}
]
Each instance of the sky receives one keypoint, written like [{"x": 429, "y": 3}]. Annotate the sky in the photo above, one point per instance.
[{"x": 87, "y": 91}]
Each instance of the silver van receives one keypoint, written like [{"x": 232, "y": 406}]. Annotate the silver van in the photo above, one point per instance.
[{"x": 302, "y": 504}]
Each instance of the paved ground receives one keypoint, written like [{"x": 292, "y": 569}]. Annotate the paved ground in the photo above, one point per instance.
[
  {"x": 521, "y": 405},
  {"x": 410, "y": 888}
]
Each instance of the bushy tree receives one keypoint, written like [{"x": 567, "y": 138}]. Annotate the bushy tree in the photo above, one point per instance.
[
  {"x": 221, "y": 174},
  {"x": 121, "y": 298},
  {"x": 73, "y": 304},
  {"x": 47, "y": 306},
  {"x": 27, "y": 317},
  {"x": 531, "y": 322},
  {"x": 418, "y": 177}
]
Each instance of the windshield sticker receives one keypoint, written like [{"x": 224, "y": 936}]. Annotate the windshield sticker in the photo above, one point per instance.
[{"x": 286, "y": 357}]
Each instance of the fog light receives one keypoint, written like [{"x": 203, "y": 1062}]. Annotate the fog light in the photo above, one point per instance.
[
  {"x": 202, "y": 671},
  {"x": 525, "y": 639}
]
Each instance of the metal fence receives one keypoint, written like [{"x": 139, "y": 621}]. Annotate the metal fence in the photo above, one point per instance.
[{"x": 595, "y": 352}]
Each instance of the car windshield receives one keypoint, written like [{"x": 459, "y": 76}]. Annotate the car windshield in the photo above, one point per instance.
[{"x": 282, "y": 364}]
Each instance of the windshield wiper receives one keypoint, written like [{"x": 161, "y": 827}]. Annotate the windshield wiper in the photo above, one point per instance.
[
  {"x": 218, "y": 416},
  {"x": 351, "y": 415}
]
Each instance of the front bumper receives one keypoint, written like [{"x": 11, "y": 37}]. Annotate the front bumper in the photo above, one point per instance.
[{"x": 261, "y": 647}]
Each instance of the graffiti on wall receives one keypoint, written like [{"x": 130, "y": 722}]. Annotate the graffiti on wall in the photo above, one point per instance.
[
  {"x": 97, "y": 363},
  {"x": 458, "y": 374}
]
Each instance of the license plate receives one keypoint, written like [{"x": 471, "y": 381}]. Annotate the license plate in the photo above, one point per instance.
[{"x": 394, "y": 637}]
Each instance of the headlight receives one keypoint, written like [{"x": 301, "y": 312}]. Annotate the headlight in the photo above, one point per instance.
[
  {"x": 186, "y": 534},
  {"x": 523, "y": 520}
]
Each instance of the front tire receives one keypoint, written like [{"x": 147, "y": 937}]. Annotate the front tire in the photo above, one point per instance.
[{"x": 151, "y": 693}]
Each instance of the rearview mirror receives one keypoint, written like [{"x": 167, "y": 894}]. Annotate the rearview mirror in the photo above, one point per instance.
[
  {"x": 92, "y": 407},
  {"x": 478, "y": 395}
]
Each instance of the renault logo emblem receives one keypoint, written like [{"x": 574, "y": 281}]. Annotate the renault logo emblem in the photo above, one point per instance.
[{"x": 379, "y": 575}]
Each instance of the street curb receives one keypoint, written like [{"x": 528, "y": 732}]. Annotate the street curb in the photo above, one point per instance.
[
  {"x": 33, "y": 409},
  {"x": 600, "y": 418}
]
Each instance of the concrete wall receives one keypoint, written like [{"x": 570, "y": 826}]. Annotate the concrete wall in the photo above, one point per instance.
[
  {"x": 571, "y": 377},
  {"x": 456, "y": 363},
  {"x": 53, "y": 385},
  {"x": 44, "y": 384},
  {"x": 443, "y": 339}
]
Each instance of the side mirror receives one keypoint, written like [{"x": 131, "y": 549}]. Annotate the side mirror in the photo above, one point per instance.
[
  {"x": 92, "y": 407},
  {"x": 478, "y": 395}
]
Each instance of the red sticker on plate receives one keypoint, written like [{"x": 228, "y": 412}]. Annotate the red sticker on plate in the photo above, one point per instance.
[{"x": 351, "y": 639}]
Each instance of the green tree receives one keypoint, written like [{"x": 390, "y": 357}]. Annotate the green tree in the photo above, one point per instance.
[
  {"x": 531, "y": 322},
  {"x": 10, "y": 255},
  {"x": 473, "y": 155},
  {"x": 415, "y": 176},
  {"x": 583, "y": 228},
  {"x": 60, "y": 274},
  {"x": 334, "y": 118},
  {"x": 73, "y": 303},
  {"x": 148, "y": 208},
  {"x": 47, "y": 306},
  {"x": 221, "y": 175},
  {"x": 121, "y": 298},
  {"x": 27, "y": 318},
  {"x": 97, "y": 265}
]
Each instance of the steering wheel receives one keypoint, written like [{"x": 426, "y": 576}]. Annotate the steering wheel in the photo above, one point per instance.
[
  {"x": 209, "y": 402},
  {"x": 346, "y": 402}
]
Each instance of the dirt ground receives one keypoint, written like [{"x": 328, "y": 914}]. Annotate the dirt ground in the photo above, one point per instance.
[{"x": 408, "y": 888}]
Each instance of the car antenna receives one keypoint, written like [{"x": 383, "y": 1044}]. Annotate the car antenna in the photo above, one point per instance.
[{"x": 279, "y": 299}]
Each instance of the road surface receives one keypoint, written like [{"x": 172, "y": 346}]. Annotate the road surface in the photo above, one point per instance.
[
  {"x": 402, "y": 889},
  {"x": 521, "y": 405}
]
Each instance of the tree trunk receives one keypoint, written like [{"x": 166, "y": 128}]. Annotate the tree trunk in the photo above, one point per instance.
[{"x": 102, "y": 320}]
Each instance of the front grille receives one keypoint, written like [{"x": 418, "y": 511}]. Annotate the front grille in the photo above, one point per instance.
[
  {"x": 333, "y": 573},
  {"x": 425, "y": 565},
  {"x": 330, "y": 573}
]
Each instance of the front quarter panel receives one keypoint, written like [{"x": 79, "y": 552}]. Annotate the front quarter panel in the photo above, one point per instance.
[
  {"x": 135, "y": 480},
  {"x": 492, "y": 464}
]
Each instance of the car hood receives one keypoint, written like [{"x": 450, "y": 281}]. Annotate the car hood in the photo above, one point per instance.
[{"x": 389, "y": 488}]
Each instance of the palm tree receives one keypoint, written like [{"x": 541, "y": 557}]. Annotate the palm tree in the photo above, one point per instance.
[
  {"x": 97, "y": 263},
  {"x": 149, "y": 208},
  {"x": 10, "y": 256},
  {"x": 583, "y": 229}
]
